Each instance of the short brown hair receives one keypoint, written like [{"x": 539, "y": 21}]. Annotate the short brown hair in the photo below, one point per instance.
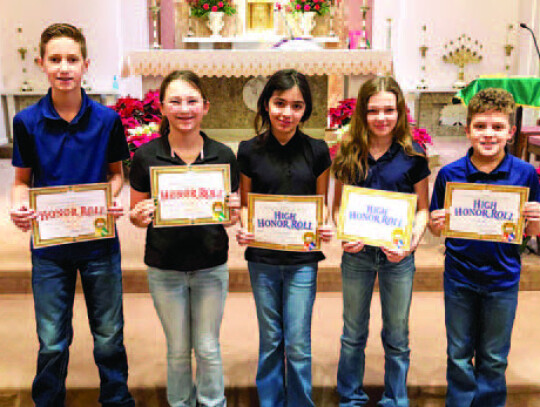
[
  {"x": 492, "y": 100},
  {"x": 58, "y": 30}
]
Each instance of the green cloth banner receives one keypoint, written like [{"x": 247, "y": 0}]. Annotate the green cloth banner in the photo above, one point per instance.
[{"x": 526, "y": 90}]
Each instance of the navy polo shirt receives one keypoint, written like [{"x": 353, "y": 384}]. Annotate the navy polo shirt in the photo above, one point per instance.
[
  {"x": 290, "y": 169},
  {"x": 488, "y": 265},
  {"x": 395, "y": 170},
  {"x": 183, "y": 248},
  {"x": 62, "y": 153}
]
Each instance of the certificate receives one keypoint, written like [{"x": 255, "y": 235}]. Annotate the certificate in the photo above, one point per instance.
[
  {"x": 377, "y": 218},
  {"x": 284, "y": 222},
  {"x": 69, "y": 214},
  {"x": 191, "y": 195},
  {"x": 485, "y": 212}
]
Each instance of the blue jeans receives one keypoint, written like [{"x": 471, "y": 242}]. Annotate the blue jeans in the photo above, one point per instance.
[
  {"x": 395, "y": 286},
  {"x": 53, "y": 284},
  {"x": 190, "y": 306},
  {"x": 478, "y": 324},
  {"x": 284, "y": 296}
]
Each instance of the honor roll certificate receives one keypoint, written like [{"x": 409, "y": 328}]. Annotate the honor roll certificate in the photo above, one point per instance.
[
  {"x": 285, "y": 222},
  {"x": 191, "y": 195},
  {"x": 70, "y": 214},
  {"x": 485, "y": 212},
  {"x": 377, "y": 218}
]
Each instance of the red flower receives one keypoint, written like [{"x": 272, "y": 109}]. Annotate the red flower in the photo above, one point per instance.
[
  {"x": 214, "y": 8},
  {"x": 317, "y": 7},
  {"x": 278, "y": 6},
  {"x": 306, "y": 7},
  {"x": 220, "y": 4},
  {"x": 298, "y": 6},
  {"x": 205, "y": 6}
]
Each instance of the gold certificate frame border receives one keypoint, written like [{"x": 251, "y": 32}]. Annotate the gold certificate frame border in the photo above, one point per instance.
[
  {"x": 155, "y": 172},
  {"x": 38, "y": 242},
  {"x": 317, "y": 199},
  {"x": 411, "y": 200},
  {"x": 452, "y": 186}
]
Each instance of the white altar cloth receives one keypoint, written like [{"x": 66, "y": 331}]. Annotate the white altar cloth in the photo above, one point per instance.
[{"x": 257, "y": 62}]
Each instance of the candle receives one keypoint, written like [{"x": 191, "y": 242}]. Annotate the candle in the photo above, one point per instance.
[{"x": 365, "y": 3}]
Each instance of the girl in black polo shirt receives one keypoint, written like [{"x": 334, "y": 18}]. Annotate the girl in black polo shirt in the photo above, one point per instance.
[
  {"x": 282, "y": 160},
  {"x": 187, "y": 266},
  {"x": 379, "y": 154}
]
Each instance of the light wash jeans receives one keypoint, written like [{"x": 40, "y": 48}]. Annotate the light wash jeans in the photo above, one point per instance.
[
  {"x": 284, "y": 296},
  {"x": 53, "y": 285},
  {"x": 395, "y": 287},
  {"x": 478, "y": 324},
  {"x": 190, "y": 306}
]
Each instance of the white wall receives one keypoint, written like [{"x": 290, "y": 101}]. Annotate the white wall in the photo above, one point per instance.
[
  {"x": 3, "y": 134},
  {"x": 110, "y": 26},
  {"x": 485, "y": 20},
  {"x": 529, "y": 13}
]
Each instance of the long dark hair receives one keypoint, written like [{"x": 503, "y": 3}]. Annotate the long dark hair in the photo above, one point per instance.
[
  {"x": 351, "y": 161},
  {"x": 186, "y": 76},
  {"x": 280, "y": 81}
]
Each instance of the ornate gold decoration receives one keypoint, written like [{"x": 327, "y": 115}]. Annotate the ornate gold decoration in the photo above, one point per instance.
[{"x": 461, "y": 52}]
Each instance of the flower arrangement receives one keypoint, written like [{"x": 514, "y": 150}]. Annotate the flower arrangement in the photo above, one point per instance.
[
  {"x": 200, "y": 8},
  {"x": 140, "y": 118},
  {"x": 321, "y": 7},
  {"x": 339, "y": 118}
]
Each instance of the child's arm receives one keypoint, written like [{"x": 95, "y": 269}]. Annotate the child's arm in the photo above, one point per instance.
[
  {"x": 325, "y": 231},
  {"x": 116, "y": 180},
  {"x": 437, "y": 221},
  {"x": 20, "y": 214},
  {"x": 243, "y": 237},
  {"x": 532, "y": 215}
]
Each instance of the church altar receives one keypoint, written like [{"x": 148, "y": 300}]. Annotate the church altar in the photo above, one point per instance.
[
  {"x": 237, "y": 63},
  {"x": 231, "y": 79}
]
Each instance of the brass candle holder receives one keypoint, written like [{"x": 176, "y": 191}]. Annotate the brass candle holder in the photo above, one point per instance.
[
  {"x": 155, "y": 16},
  {"x": 508, "y": 48},
  {"x": 363, "y": 43},
  {"x": 423, "y": 54},
  {"x": 462, "y": 52}
]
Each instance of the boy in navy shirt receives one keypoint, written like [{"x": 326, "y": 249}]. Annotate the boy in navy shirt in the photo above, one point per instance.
[
  {"x": 66, "y": 139},
  {"x": 481, "y": 279}
]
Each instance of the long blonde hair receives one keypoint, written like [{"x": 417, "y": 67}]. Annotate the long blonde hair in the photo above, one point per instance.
[{"x": 351, "y": 161}]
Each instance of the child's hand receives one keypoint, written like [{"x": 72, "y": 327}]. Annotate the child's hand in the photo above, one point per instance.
[
  {"x": 116, "y": 210},
  {"x": 234, "y": 200},
  {"x": 437, "y": 221},
  {"x": 243, "y": 237},
  {"x": 395, "y": 256},
  {"x": 142, "y": 213},
  {"x": 531, "y": 211},
  {"x": 326, "y": 232},
  {"x": 22, "y": 218},
  {"x": 352, "y": 247}
]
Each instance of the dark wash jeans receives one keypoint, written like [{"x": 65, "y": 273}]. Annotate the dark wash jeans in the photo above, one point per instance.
[
  {"x": 478, "y": 324},
  {"x": 53, "y": 284}
]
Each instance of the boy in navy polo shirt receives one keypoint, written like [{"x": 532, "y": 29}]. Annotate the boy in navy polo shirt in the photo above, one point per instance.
[
  {"x": 66, "y": 139},
  {"x": 481, "y": 279}
]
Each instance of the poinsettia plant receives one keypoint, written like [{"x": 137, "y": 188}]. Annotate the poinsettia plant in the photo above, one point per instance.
[
  {"x": 200, "y": 8},
  {"x": 140, "y": 118},
  {"x": 340, "y": 119},
  {"x": 321, "y": 7}
]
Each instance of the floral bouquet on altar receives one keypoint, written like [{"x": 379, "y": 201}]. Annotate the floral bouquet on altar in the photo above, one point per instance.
[
  {"x": 321, "y": 7},
  {"x": 140, "y": 118},
  {"x": 201, "y": 8}
]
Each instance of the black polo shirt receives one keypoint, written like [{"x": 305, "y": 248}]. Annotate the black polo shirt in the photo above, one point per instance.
[
  {"x": 290, "y": 169},
  {"x": 395, "y": 170},
  {"x": 182, "y": 248}
]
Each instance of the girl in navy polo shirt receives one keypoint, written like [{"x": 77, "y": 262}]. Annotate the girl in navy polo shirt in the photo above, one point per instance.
[
  {"x": 187, "y": 266},
  {"x": 282, "y": 160},
  {"x": 379, "y": 154}
]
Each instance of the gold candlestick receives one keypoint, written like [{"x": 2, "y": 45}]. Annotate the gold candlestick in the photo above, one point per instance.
[
  {"x": 156, "y": 24},
  {"x": 364, "y": 43}
]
